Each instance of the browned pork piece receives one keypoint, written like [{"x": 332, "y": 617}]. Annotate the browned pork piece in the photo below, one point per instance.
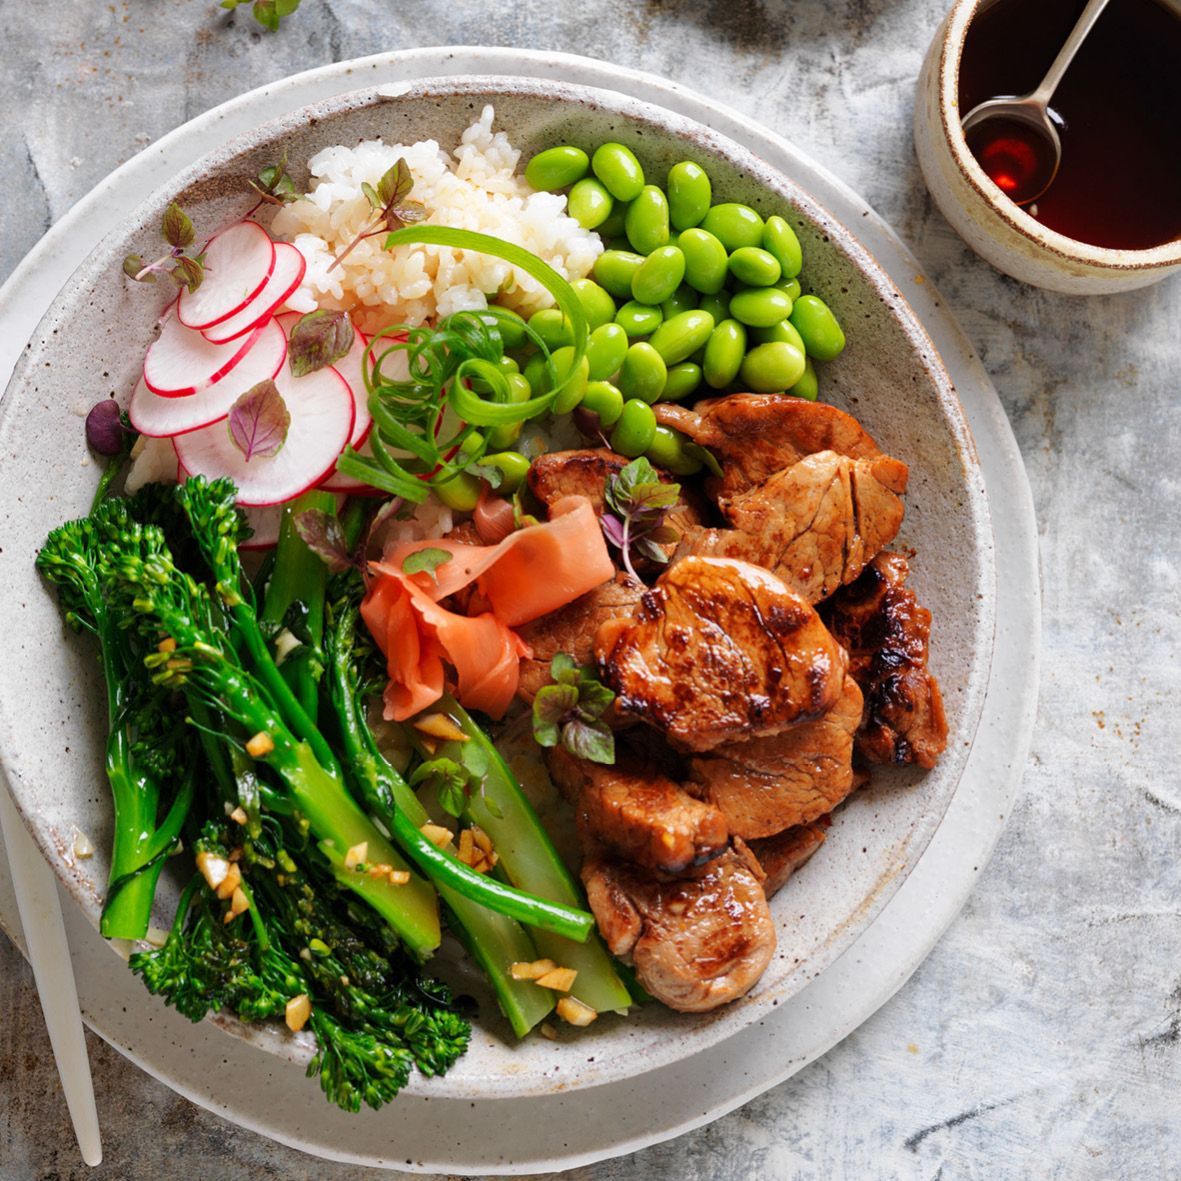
[
  {"x": 698, "y": 940},
  {"x": 720, "y": 650},
  {"x": 784, "y": 853},
  {"x": 572, "y": 629},
  {"x": 638, "y": 813},
  {"x": 816, "y": 524},
  {"x": 765, "y": 785},
  {"x": 880, "y": 623}
]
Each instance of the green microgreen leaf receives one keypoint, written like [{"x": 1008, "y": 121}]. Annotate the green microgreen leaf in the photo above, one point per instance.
[
  {"x": 133, "y": 264},
  {"x": 639, "y": 501},
  {"x": 188, "y": 272},
  {"x": 592, "y": 741},
  {"x": 569, "y": 712},
  {"x": 450, "y": 781},
  {"x": 177, "y": 227},
  {"x": 317, "y": 340},
  {"x": 426, "y": 560}
]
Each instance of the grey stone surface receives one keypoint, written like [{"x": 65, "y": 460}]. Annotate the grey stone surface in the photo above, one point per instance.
[{"x": 1042, "y": 1038}]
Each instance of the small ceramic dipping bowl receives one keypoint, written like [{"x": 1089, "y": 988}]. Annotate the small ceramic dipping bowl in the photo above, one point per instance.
[{"x": 997, "y": 229}]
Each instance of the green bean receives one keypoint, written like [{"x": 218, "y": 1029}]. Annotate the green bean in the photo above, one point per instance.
[
  {"x": 605, "y": 350},
  {"x": 639, "y": 319},
  {"x": 589, "y": 203},
  {"x": 619, "y": 170},
  {"x": 718, "y": 305},
  {"x": 614, "y": 269},
  {"x": 646, "y": 220},
  {"x": 555, "y": 168},
  {"x": 634, "y": 430},
  {"x": 808, "y": 387},
  {"x": 572, "y": 394},
  {"x": 769, "y": 368},
  {"x": 754, "y": 266},
  {"x": 679, "y": 338},
  {"x": 684, "y": 299},
  {"x": 705, "y": 260},
  {"x": 604, "y": 400},
  {"x": 784, "y": 330},
  {"x": 659, "y": 275},
  {"x": 553, "y": 328},
  {"x": 513, "y": 467},
  {"x": 667, "y": 451},
  {"x": 724, "y": 352},
  {"x": 734, "y": 225},
  {"x": 689, "y": 194},
  {"x": 780, "y": 239},
  {"x": 643, "y": 373},
  {"x": 683, "y": 378},
  {"x": 760, "y": 307},
  {"x": 597, "y": 304},
  {"x": 815, "y": 322}
]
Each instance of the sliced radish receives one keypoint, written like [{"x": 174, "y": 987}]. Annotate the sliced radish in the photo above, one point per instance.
[
  {"x": 285, "y": 278},
  {"x": 321, "y": 409},
  {"x": 238, "y": 262},
  {"x": 180, "y": 361},
  {"x": 160, "y": 417}
]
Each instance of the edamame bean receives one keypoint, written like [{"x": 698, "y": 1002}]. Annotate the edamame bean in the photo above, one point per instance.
[
  {"x": 589, "y": 203},
  {"x": 785, "y": 330},
  {"x": 705, "y": 260},
  {"x": 724, "y": 352},
  {"x": 659, "y": 275},
  {"x": 683, "y": 378},
  {"x": 619, "y": 170},
  {"x": 754, "y": 266},
  {"x": 718, "y": 305},
  {"x": 646, "y": 220},
  {"x": 555, "y": 168},
  {"x": 461, "y": 492},
  {"x": 768, "y": 368},
  {"x": 684, "y": 299},
  {"x": 634, "y": 429},
  {"x": 537, "y": 375},
  {"x": 511, "y": 326},
  {"x": 614, "y": 270},
  {"x": 639, "y": 319},
  {"x": 790, "y": 288},
  {"x": 604, "y": 400},
  {"x": 572, "y": 393},
  {"x": 780, "y": 239},
  {"x": 689, "y": 194},
  {"x": 513, "y": 468},
  {"x": 605, "y": 349},
  {"x": 808, "y": 387},
  {"x": 612, "y": 228},
  {"x": 643, "y": 373},
  {"x": 734, "y": 225},
  {"x": 815, "y": 322},
  {"x": 597, "y": 304},
  {"x": 760, "y": 307},
  {"x": 667, "y": 451},
  {"x": 679, "y": 338},
  {"x": 553, "y": 328}
]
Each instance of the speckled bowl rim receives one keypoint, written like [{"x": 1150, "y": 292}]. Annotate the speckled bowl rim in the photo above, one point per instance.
[{"x": 954, "y": 32}]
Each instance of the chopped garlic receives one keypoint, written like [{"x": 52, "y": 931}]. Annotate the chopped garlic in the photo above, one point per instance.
[
  {"x": 230, "y": 882},
  {"x": 437, "y": 834},
  {"x": 439, "y": 725},
  {"x": 573, "y": 1011},
  {"x": 238, "y": 815},
  {"x": 559, "y": 979},
  {"x": 531, "y": 970},
  {"x": 238, "y": 904},
  {"x": 356, "y": 855},
  {"x": 260, "y": 745},
  {"x": 212, "y": 868},
  {"x": 285, "y": 644},
  {"x": 297, "y": 1012},
  {"x": 83, "y": 847}
]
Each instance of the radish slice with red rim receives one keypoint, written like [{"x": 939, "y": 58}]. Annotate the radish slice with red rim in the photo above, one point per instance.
[
  {"x": 289, "y": 270},
  {"x": 321, "y": 409},
  {"x": 238, "y": 262},
  {"x": 181, "y": 362},
  {"x": 157, "y": 416}
]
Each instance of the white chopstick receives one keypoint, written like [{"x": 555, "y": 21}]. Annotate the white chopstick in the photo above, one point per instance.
[{"x": 49, "y": 954}]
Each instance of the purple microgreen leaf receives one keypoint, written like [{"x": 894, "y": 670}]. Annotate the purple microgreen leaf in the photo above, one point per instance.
[
  {"x": 612, "y": 529},
  {"x": 177, "y": 227},
  {"x": 323, "y": 535},
  {"x": 133, "y": 268},
  {"x": 564, "y": 669},
  {"x": 425, "y": 561},
  {"x": 188, "y": 272},
  {"x": 592, "y": 741},
  {"x": 104, "y": 428},
  {"x": 409, "y": 212},
  {"x": 551, "y": 706},
  {"x": 259, "y": 421},
  {"x": 649, "y": 549},
  {"x": 594, "y": 698},
  {"x": 394, "y": 185},
  {"x": 391, "y": 508},
  {"x": 317, "y": 340}
]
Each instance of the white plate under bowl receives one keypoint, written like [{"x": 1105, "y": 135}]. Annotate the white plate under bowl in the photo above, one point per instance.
[{"x": 1007, "y": 724}]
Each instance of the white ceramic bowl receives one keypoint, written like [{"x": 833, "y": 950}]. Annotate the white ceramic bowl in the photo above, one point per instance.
[{"x": 996, "y": 228}]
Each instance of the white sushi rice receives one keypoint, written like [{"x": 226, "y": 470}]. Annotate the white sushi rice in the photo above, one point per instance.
[{"x": 475, "y": 188}]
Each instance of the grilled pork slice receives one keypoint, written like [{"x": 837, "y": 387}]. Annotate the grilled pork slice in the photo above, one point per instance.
[
  {"x": 815, "y": 524},
  {"x": 880, "y": 623},
  {"x": 768, "y": 784},
  {"x": 638, "y": 813},
  {"x": 572, "y": 629},
  {"x": 785, "y": 852},
  {"x": 697, "y": 941},
  {"x": 717, "y": 651}
]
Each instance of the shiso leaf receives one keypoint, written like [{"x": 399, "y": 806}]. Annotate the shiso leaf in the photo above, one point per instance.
[
  {"x": 322, "y": 534},
  {"x": 318, "y": 339},
  {"x": 177, "y": 227},
  {"x": 259, "y": 421}
]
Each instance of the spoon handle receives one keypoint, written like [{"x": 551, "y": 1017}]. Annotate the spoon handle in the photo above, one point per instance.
[{"x": 1061, "y": 63}]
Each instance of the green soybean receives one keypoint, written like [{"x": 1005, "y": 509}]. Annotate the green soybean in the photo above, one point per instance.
[
  {"x": 689, "y": 194},
  {"x": 646, "y": 220},
  {"x": 605, "y": 349},
  {"x": 705, "y": 260},
  {"x": 724, "y": 352},
  {"x": 537, "y": 375},
  {"x": 572, "y": 394},
  {"x": 643, "y": 373},
  {"x": 605, "y": 400},
  {"x": 683, "y": 378},
  {"x": 555, "y": 168},
  {"x": 815, "y": 322},
  {"x": 780, "y": 239},
  {"x": 634, "y": 429},
  {"x": 769, "y": 368},
  {"x": 612, "y": 228},
  {"x": 667, "y": 451},
  {"x": 808, "y": 387},
  {"x": 589, "y": 203},
  {"x": 659, "y": 275},
  {"x": 734, "y": 225},
  {"x": 684, "y": 299},
  {"x": 619, "y": 170},
  {"x": 614, "y": 270},
  {"x": 718, "y": 305},
  {"x": 461, "y": 492},
  {"x": 754, "y": 266},
  {"x": 785, "y": 330},
  {"x": 639, "y": 319},
  {"x": 679, "y": 338},
  {"x": 597, "y": 304},
  {"x": 760, "y": 307},
  {"x": 507, "y": 433},
  {"x": 511, "y": 326},
  {"x": 553, "y": 328},
  {"x": 790, "y": 287},
  {"x": 513, "y": 467}
]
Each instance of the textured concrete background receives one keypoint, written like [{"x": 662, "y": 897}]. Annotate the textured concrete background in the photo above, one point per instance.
[{"x": 1042, "y": 1038}]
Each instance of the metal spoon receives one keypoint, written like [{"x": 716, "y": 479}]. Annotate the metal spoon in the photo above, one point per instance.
[{"x": 1031, "y": 110}]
